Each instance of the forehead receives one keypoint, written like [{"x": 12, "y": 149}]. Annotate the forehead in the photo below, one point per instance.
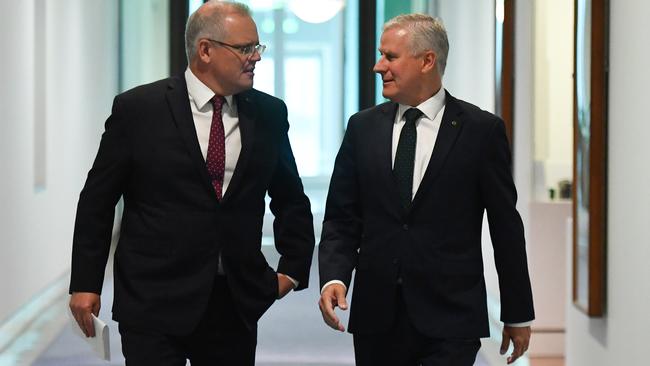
[
  {"x": 240, "y": 27},
  {"x": 394, "y": 39}
]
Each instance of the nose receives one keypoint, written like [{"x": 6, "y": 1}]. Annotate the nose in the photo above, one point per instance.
[
  {"x": 379, "y": 67},
  {"x": 255, "y": 56}
]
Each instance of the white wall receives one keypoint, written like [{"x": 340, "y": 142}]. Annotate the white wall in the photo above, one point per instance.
[
  {"x": 620, "y": 338},
  {"x": 553, "y": 94},
  {"x": 73, "y": 45},
  {"x": 523, "y": 113},
  {"x": 470, "y": 66},
  {"x": 145, "y": 42}
]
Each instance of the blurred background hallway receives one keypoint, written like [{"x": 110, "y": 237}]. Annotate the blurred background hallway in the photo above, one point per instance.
[{"x": 64, "y": 61}]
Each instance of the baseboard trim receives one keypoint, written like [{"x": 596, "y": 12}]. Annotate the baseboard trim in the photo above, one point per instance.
[{"x": 25, "y": 334}]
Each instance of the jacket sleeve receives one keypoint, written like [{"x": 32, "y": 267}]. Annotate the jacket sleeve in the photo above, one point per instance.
[
  {"x": 506, "y": 228},
  {"x": 341, "y": 235},
  {"x": 293, "y": 225},
  {"x": 96, "y": 208}
]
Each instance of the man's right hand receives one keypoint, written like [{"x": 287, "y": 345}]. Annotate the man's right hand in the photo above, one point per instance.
[
  {"x": 83, "y": 305},
  {"x": 333, "y": 295}
]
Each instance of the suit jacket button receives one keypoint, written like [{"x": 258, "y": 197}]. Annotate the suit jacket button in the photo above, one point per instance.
[{"x": 405, "y": 227}]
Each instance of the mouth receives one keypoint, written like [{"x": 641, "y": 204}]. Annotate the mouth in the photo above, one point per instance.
[
  {"x": 250, "y": 72},
  {"x": 387, "y": 81}
]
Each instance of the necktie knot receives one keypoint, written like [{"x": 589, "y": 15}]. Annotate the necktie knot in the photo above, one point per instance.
[
  {"x": 217, "y": 102},
  {"x": 412, "y": 114}
]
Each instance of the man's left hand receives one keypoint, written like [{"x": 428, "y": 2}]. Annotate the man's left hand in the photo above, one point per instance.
[
  {"x": 520, "y": 338},
  {"x": 284, "y": 285}
]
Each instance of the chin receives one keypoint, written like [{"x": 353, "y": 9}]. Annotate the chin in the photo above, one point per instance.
[
  {"x": 388, "y": 95},
  {"x": 243, "y": 87}
]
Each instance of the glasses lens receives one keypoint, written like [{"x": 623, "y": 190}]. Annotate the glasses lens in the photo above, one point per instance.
[{"x": 248, "y": 49}]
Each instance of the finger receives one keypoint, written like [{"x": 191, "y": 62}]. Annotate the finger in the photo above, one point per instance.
[
  {"x": 77, "y": 314},
  {"x": 513, "y": 357},
  {"x": 340, "y": 299},
  {"x": 505, "y": 343},
  {"x": 80, "y": 323},
  {"x": 96, "y": 308},
  {"x": 517, "y": 352},
  {"x": 88, "y": 324},
  {"x": 329, "y": 316},
  {"x": 333, "y": 322}
]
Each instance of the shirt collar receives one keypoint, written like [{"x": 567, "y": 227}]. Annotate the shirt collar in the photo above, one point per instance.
[
  {"x": 430, "y": 107},
  {"x": 199, "y": 93}
]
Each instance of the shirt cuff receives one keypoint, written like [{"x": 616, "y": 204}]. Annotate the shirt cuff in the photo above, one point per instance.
[
  {"x": 295, "y": 283},
  {"x": 520, "y": 325},
  {"x": 332, "y": 282}
]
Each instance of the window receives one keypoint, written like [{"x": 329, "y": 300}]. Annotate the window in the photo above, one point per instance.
[{"x": 304, "y": 65}]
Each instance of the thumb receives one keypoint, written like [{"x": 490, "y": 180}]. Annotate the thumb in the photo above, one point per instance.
[
  {"x": 95, "y": 307},
  {"x": 505, "y": 343},
  {"x": 340, "y": 299}
]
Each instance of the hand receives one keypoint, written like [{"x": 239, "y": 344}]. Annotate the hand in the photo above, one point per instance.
[
  {"x": 520, "y": 338},
  {"x": 333, "y": 295},
  {"x": 285, "y": 285},
  {"x": 83, "y": 305}
]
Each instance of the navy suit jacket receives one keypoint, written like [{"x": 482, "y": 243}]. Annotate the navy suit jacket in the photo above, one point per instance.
[
  {"x": 173, "y": 227},
  {"x": 433, "y": 247}
]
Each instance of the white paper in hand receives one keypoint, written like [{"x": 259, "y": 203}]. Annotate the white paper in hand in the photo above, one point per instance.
[{"x": 100, "y": 343}]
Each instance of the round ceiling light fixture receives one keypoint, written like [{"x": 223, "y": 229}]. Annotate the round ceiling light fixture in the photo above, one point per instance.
[{"x": 319, "y": 11}]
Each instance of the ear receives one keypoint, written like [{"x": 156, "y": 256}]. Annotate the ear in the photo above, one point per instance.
[
  {"x": 429, "y": 60},
  {"x": 203, "y": 50}
]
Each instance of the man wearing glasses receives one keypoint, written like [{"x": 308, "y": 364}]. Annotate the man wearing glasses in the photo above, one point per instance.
[{"x": 193, "y": 158}]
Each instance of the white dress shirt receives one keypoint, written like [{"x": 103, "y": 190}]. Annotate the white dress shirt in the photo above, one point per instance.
[
  {"x": 427, "y": 127},
  {"x": 200, "y": 96},
  {"x": 202, "y": 111}
]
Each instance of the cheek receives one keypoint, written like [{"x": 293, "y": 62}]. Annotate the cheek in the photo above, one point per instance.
[{"x": 396, "y": 72}]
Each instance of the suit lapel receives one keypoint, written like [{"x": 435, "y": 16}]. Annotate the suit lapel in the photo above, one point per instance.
[
  {"x": 178, "y": 101},
  {"x": 450, "y": 127},
  {"x": 247, "y": 114},
  {"x": 384, "y": 149}
]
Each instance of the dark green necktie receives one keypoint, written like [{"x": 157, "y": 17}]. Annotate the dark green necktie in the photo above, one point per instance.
[{"x": 405, "y": 156}]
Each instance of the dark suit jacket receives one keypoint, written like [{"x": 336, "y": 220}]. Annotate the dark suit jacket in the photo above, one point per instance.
[
  {"x": 173, "y": 227},
  {"x": 435, "y": 246}
]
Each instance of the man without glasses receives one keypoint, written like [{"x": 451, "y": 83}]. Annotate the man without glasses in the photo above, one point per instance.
[{"x": 411, "y": 182}]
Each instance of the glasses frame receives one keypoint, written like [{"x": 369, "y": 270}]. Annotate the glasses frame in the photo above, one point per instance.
[{"x": 247, "y": 50}]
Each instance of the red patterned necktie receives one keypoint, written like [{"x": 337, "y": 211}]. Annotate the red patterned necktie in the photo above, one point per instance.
[{"x": 216, "y": 157}]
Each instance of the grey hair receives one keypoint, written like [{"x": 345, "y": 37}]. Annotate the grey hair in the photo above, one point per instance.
[
  {"x": 210, "y": 25},
  {"x": 426, "y": 33}
]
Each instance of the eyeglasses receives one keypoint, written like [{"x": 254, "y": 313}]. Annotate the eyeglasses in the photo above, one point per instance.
[{"x": 247, "y": 50}]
